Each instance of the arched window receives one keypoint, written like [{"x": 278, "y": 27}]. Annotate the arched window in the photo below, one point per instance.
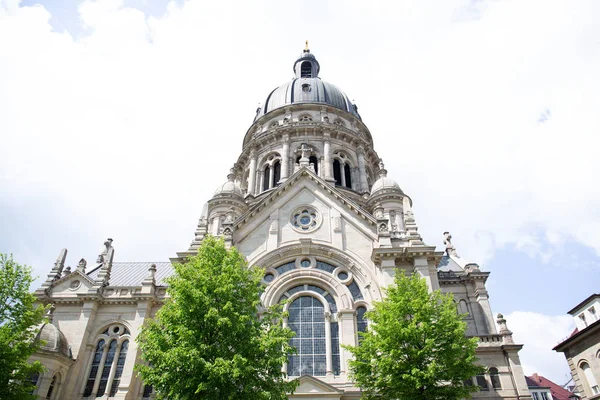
[
  {"x": 495, "y": 378},
  {"x": 89, "y": 386},
  {"x": 53, "y": 387},
  {"x": 348, "y": 176},
  {"x": 590, "y": 378},
  {"x": 306, "y": 70},
  {"x": 337, "y": 172},
  {"x": 313, "y": 331},
  {"x": 267, "y": 178},
  {"x": 107, "y": 363},
  {"x": 314, "y": 161},
  {"x": 482, "y": 383},
  {"x": 276, "y": 173},
  {"x": 361, "y": 321}
]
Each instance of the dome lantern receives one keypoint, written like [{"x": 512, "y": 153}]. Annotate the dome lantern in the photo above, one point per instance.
[{"x": 306, "y": 66}]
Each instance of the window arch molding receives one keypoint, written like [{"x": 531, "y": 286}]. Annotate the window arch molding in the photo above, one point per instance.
[
  {"x": 362, "y": 275},
  {"x": 339, "y": 291}
]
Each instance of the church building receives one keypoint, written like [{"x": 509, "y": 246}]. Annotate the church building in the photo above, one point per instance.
[{"x": 308, "y": 199}]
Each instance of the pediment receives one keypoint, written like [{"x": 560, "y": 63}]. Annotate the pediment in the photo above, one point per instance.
[
  {"x": 292, "y": 190},
  {"x": 310, "y": 387},
  {"x": 72, "y": 284}
]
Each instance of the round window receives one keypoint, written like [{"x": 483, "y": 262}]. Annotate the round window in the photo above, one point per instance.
[
  {"x": 305, "y": 219},
  {"x": 343, "y": 276},
  {"x": 269, "y": 278},
  {"x": 305, "y": 263}
]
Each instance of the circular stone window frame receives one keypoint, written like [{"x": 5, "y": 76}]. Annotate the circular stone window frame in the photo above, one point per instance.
[
  {"x": 270, "y": 271},
  {"x": 311, "y": 259},
  {"x": 75, "y": 284},
  {"x": 298, "y": 211},
  {"x": 346, "y": 281}
]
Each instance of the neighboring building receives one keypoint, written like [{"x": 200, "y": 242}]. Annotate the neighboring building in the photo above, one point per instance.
[
  {"x": 310, "y": 200},
  {"x": 544, "y": 389},
  {"x": 582, "y": 348}
]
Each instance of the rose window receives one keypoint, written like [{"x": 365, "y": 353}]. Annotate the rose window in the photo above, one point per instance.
[{"x": 305, "y": 219}]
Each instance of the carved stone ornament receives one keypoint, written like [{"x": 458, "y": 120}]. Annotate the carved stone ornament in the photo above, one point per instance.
[{"x": 305, "y": 219}]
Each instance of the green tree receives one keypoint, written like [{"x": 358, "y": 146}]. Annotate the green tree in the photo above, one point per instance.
[
  {"x": 208, "y": 341},
  {"x": 415, "y": 347},
  {"x": 18, "y": 320}
]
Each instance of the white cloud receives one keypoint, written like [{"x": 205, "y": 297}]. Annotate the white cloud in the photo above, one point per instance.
[
  {"x": 131, "y": 125},
  {"x": 540, "y": 333}
]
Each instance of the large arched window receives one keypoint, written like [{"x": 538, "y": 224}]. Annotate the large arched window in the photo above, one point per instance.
[
  {"x": 348, "y": 176},
  {"x": 314, "y": 330},
  {"x": 315, "y": 162},
  {"x": 107, "y": 363},
  {"x": 337, "y": 172},
  {"x": 590, "y": 378}
]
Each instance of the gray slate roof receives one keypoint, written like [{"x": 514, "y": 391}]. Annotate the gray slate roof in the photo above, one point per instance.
[{"x": 133, "y": 273}]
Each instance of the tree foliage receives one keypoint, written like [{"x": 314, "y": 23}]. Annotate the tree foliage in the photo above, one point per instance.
[
  {"x": 415, "y": 347},
  {"x": 18, "y": 320},
  {"x": 208, "y": 340}
]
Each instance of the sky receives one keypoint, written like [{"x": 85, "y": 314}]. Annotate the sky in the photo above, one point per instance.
[{"x": 120, "y": 118}]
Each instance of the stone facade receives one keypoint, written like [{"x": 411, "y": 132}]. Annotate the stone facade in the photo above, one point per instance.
[
  {"x": 582, "y": 348},
  {"x": 310, "y": 200}
]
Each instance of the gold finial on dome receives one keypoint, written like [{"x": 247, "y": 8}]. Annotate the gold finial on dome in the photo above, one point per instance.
[{"x": 306, "y": 50}]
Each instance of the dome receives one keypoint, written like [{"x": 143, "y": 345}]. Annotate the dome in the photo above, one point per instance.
[
  {"x": 54, "y": 340},
  {"x": 308, "y": 90},
  {"x": 307, "y": 87},
  {"x": 229, "y": 187},
  {"x": 384, "y": 183}
]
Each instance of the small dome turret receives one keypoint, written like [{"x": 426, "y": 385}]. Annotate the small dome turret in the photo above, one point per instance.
[
  {"x": 384, "y": 183},
  {"x": 54, "y": 340},
  {"x": 230, "y": 187}
]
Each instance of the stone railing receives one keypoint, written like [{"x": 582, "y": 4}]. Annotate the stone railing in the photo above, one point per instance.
[{"x": 490, "y": 340}]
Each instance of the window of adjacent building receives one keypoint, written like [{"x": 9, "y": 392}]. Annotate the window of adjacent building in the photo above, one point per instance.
[
  {"x": 592, "y": 311},
  {"x": 582, "y": 318},
  {"x": 107, "y": 362},
  {"x": 495, "y": 378},
  {"x": 535, "y": 396},
  {"x": 545, "y": 396},
  {"x": 147, "y": 391},
  {"x": 589, "y": 377}
]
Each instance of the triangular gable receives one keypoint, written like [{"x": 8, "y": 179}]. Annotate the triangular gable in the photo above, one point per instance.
[
  {"x": 64, "y": 284},
  {"x": 303, "y": 172},
  {"x": 310, "y": 387}
]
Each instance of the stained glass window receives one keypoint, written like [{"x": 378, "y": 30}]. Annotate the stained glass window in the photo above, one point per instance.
[
  {"x": 112, "y": 348},
  {"x": 355, "y": 291},
  {"x": 307, "y": 320},
  {"x": 120, "y": 364},
  {"x": 361, "y": 322},
  {"x": 89, "y": 386}
]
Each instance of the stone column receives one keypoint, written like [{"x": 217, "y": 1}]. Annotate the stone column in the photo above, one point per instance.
[
  {"x": 271, "y": 177},
  {"x": 343, "y": 173},
  {"x": 327, "y": 164},
  {"x": 285, "y": 159},
  {"x": 328, "y": 359},
  {"x": 481, "y": 295},
  {"x": 252, "y": 176},
  {"x": 363, "y": 186},
  {"x": 347, "y": 336}
]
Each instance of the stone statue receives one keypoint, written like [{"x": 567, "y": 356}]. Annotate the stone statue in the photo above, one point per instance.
[
  {"x": 450, "y": 249},
  {"x": 82, "y": 264},
  {"x": 105, "y": 250}
]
